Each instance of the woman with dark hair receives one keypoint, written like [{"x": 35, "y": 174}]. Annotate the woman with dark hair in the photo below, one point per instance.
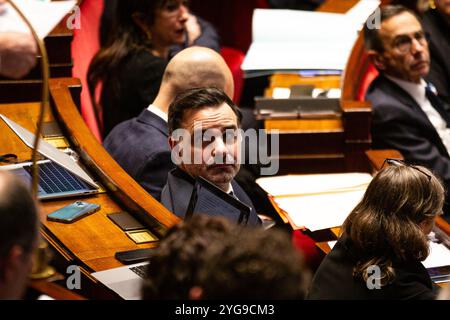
[
  {"x": 131, "y": 64},
  {"x": 384, "y": 240}
]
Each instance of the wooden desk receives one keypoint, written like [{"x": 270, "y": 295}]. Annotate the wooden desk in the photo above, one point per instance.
[{"x": 92, "y": 241}]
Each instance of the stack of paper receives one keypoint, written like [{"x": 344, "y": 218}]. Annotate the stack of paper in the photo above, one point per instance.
[
  {"x": 43, "y": 16},
  {"x": 295, "y": 39},
  {"x": 317, "y": 201}
]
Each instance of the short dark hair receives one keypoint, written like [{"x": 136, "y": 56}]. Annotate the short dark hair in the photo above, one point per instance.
[
  {"x": 18, "y": 215},
  {"x": 372, "y": 40},
  {"x": 254, "y": 264},
  {"x": 197, "y": 98},
  {"x": 175, "y": 263}
]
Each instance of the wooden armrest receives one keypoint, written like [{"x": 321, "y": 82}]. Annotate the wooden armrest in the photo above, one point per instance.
[
  {"x": 54, "y": 291},
  {"x": 377, "y": 157}
]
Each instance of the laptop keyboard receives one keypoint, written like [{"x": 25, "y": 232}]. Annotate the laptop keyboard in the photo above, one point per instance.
[
  {"x": 140, "y": 270},
  {"x": 54, "y": 179}
]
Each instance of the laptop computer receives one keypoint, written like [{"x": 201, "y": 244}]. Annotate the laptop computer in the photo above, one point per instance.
[
  {"x": 125, "y": 281},
  {"x": 208, "y": 199},
  {"x": 60, "y": 176}
]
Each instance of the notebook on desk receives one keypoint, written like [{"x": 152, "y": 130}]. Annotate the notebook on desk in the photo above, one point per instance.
[{"x": 60, "y": 176}]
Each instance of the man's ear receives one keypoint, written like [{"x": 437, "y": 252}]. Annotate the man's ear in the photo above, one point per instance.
[
  {"x": 12, "y": 263},
  {"x": 377, "y": 59}
]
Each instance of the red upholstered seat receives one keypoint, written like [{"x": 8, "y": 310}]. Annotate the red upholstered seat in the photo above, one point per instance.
[
  {"x": 366, "y": 79},
  {"x": 234, "y": 59},
  {"x": 84, "y": 46}
]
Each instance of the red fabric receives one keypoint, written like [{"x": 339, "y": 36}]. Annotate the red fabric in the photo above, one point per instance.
[
  {"x": 234, "y": 59},
  {"x": 232, "y": 18},
  {"x": 370, "y": 74},
  {"x": 311, "y": 253},
  {"x": 84, "y": 46}
]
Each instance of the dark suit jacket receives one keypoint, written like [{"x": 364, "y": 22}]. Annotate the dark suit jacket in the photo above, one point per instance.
[
  {"x": 334, "y": 280},
  {"x": 399, "y": 123},
  {"x": 141, "y": 147},
  {"x": 177, "y": 193},
  {"x": 439, "y": 45}
]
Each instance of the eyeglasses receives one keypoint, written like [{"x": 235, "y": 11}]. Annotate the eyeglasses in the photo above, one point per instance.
[
  {"x": 397, "y": 162},
  {"x": 403, "y": 43}
]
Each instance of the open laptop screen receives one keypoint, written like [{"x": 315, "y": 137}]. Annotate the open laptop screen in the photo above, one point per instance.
[{"x": 208, "y": 199}]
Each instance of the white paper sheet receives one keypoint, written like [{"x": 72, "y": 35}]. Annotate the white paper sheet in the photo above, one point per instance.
[
  {"x": 43, "y": 16},
  {"x": 313, "y": 183},
  {"x": 439, "y": 256},
  {"x": 296, "y": 39},
  {"x": 317, "y": 201}
]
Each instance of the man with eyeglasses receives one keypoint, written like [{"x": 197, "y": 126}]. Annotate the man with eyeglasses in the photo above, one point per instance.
[{"x": 407, "y": 114}]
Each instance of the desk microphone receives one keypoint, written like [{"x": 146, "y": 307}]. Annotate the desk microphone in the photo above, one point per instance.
[
  {"x": 45, "y": 70},
  {"x": 41, "y": 270}
]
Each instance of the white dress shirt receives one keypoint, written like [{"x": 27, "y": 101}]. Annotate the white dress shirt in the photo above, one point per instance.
[{"x": 158, "y": 112}]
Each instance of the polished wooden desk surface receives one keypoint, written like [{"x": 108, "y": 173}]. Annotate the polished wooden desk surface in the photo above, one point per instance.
[
  {"x": 94, "y": 239},
  {"x": 91, "y": 241}
]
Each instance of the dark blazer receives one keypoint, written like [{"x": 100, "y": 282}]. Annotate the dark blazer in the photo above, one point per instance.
[
  {"x": 399, "y": 123},
  {"x": 334, "y": 280},
  {"x": 177, "y": 193},
  {"x": 141, "y": 147},
  {"x": 439, "y": 45}
]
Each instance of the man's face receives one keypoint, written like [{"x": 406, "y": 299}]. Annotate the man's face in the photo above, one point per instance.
[
  {"x": 405, "y": 54},
  {"x": 215, "y": 144}
]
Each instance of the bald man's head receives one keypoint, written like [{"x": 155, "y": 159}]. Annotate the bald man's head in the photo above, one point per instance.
[{"x": 194, "y": 67}]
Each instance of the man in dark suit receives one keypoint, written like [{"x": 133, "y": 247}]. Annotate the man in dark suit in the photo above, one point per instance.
[
  {"x": 140, "y": 145},
  {"x": 437, "y": 23},
  {"x": 205, "y": 141},
  {"x": 407, "y": 114}
]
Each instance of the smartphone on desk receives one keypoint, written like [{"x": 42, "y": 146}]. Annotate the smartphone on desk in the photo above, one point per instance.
[{"x": 73, "y": 212}]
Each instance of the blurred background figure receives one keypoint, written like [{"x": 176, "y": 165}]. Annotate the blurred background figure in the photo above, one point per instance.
[
  {"x": 17, "y": 52},
  {"x": 436, "y": 22},
  {"x": 252, "y": 264},
  {"x": 131, "y": 64},
  {"x": 209, "y": 258},
  {"x": 176, "y": 261},
  {"x": 199, "y": 32},
  {"x": 384, "y": 240},
  {"x": 18, "y": 236}
]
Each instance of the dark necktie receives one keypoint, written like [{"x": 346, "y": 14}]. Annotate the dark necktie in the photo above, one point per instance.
[
  {"x": 437, "y": 103},
  {"x": 231, "y": 193}
]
